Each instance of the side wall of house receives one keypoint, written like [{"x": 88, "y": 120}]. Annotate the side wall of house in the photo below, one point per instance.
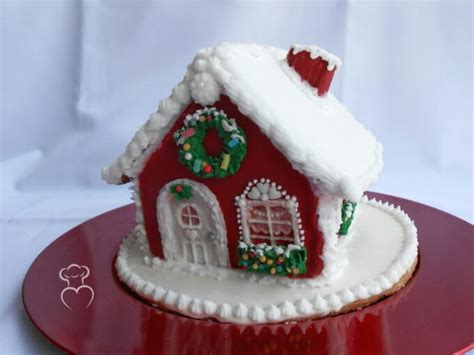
[{"x": 263, "y": 160}]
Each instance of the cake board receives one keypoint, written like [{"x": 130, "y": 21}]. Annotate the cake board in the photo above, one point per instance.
[{"x": 73, "y": 296}]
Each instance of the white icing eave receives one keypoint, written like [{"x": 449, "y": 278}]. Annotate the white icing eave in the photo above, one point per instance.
[
  {"x": 318, "y": 52},
  {"x": 317, "y": 135}
]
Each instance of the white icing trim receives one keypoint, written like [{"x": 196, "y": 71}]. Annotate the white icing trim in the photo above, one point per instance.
[
  {"x": 318, "y": 305},
  {"x": 330, "y": 177},
  {"x": 168, "y": 240},
  {"x": 315, "y": 52}
]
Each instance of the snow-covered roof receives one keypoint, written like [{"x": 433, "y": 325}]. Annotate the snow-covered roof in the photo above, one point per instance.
[{"x": 318, "y": 135}]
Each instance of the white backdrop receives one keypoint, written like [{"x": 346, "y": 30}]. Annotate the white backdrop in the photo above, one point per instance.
[{"x": 78, "y": 78}]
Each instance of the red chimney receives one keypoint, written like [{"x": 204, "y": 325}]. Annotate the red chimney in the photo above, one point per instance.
[{"x": 314, "y": 65}]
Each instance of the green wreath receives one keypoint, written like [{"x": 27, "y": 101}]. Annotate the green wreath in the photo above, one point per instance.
[{"x": 190, "y": 139}]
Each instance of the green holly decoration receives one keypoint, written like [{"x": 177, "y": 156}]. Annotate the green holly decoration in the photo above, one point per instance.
[
  {"x": 347, "y": 211},
  {"x": 181, "y": 191},
  {"x": 192, "y": 153}
]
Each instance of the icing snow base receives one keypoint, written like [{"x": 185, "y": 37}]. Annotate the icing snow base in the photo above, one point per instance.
[
  {"x": 380, "y": 230},
  {"x": 318, "y": 135}
]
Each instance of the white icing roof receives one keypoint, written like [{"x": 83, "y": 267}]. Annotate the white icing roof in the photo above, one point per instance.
[{"x": 317, "y": 134}]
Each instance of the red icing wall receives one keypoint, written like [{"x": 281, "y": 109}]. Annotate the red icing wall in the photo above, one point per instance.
[{"x": 262, "y": 160}]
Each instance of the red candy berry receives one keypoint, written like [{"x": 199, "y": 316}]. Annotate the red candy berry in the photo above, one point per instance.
[
  {"x": 179, "y": 188},
  {"x": 208, "y": 169}
]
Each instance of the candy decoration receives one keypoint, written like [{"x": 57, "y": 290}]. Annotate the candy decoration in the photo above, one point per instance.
[
  {"x": 229, "y": 126},
  {"x": 197, "y": 166},
  {"x": 188, "y": 133},
  {"x": 225, "y": 161},
  {"x": 278, "y": 260},
  {"x": 192, "y": 153},
  {"x": 233, "y": 142},
  {"x": 208, "y": 169}
]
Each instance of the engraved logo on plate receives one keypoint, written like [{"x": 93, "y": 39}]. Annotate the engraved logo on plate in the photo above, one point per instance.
[{"x": 76, "y": 295}]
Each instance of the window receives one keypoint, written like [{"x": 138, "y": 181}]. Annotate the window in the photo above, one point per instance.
[
  {"x": 270, "y": 222},
  {"x": 189, "y": 217},
  {"x": 269, "y": 215}
]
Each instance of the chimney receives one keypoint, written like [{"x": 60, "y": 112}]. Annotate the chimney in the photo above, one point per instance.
[{"x": 314, "y": 65}]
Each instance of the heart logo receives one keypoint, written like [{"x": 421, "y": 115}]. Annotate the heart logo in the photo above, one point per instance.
[{"x": 77, "y": 298}]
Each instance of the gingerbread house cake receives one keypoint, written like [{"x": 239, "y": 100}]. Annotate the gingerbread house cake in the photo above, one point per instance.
[{"x": 249, "y": 186}]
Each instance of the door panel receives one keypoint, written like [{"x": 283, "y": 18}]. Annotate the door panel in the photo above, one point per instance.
[{"x": 192, "y": 230}]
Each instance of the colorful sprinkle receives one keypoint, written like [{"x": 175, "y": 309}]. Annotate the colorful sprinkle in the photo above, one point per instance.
[
  {"x": 233, "y": 142},
  {"x": 208, "y": 169},
  {"x": 197, "y": 166},
  {"x": 188, "y": 133},
  {"x": 225, "y": 162}
]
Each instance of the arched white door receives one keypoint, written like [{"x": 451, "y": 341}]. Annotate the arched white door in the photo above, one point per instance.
[{"x": 191, "y": 225}]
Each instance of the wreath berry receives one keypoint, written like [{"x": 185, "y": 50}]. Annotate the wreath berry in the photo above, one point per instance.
[{"x": 192, "y": 153}]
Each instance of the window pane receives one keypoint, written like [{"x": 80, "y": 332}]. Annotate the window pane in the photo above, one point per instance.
[
  {"x": 199, "y": 254},
  {"x": 282, "y": 230},
  {"x": 257, "y": 212},
  {"x": 259, "y": 228},
  {"x": 188, "y": 251},
  {"x": 280, "y": 213},
  {"x": 258, "y": 240},
  {"x": 270, "y": 222},
  {"x": 189, "y": 217}
]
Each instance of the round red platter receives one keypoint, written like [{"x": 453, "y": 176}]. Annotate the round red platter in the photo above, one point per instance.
[{"x": 72, "y": 295}]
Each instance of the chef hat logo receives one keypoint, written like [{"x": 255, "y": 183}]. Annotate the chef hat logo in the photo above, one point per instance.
[{"x": 74, "y": 271}]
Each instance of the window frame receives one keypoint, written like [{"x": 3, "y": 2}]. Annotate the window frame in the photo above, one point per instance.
[
  {"x": 290, "y": 203},
  {"x": 272, "y": 237},
  {"x": 180, "y": 216}
]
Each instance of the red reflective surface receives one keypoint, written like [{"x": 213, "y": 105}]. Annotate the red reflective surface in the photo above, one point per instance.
[{"x": 432, "y": 315}]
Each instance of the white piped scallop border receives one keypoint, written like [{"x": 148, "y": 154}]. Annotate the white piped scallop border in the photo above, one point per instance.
[{"x": 318, "y": 305}]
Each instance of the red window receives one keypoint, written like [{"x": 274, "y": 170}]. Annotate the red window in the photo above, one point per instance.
[
  {"x": 270, "y": 222},
  {"x": 190, "y": 217}
]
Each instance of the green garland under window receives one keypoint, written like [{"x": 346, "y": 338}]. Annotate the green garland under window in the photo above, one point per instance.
[
  {"x": 273, "y": 260},
  {"x": 347, "y": 211},
  {"x": 192, "y": 153}
]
